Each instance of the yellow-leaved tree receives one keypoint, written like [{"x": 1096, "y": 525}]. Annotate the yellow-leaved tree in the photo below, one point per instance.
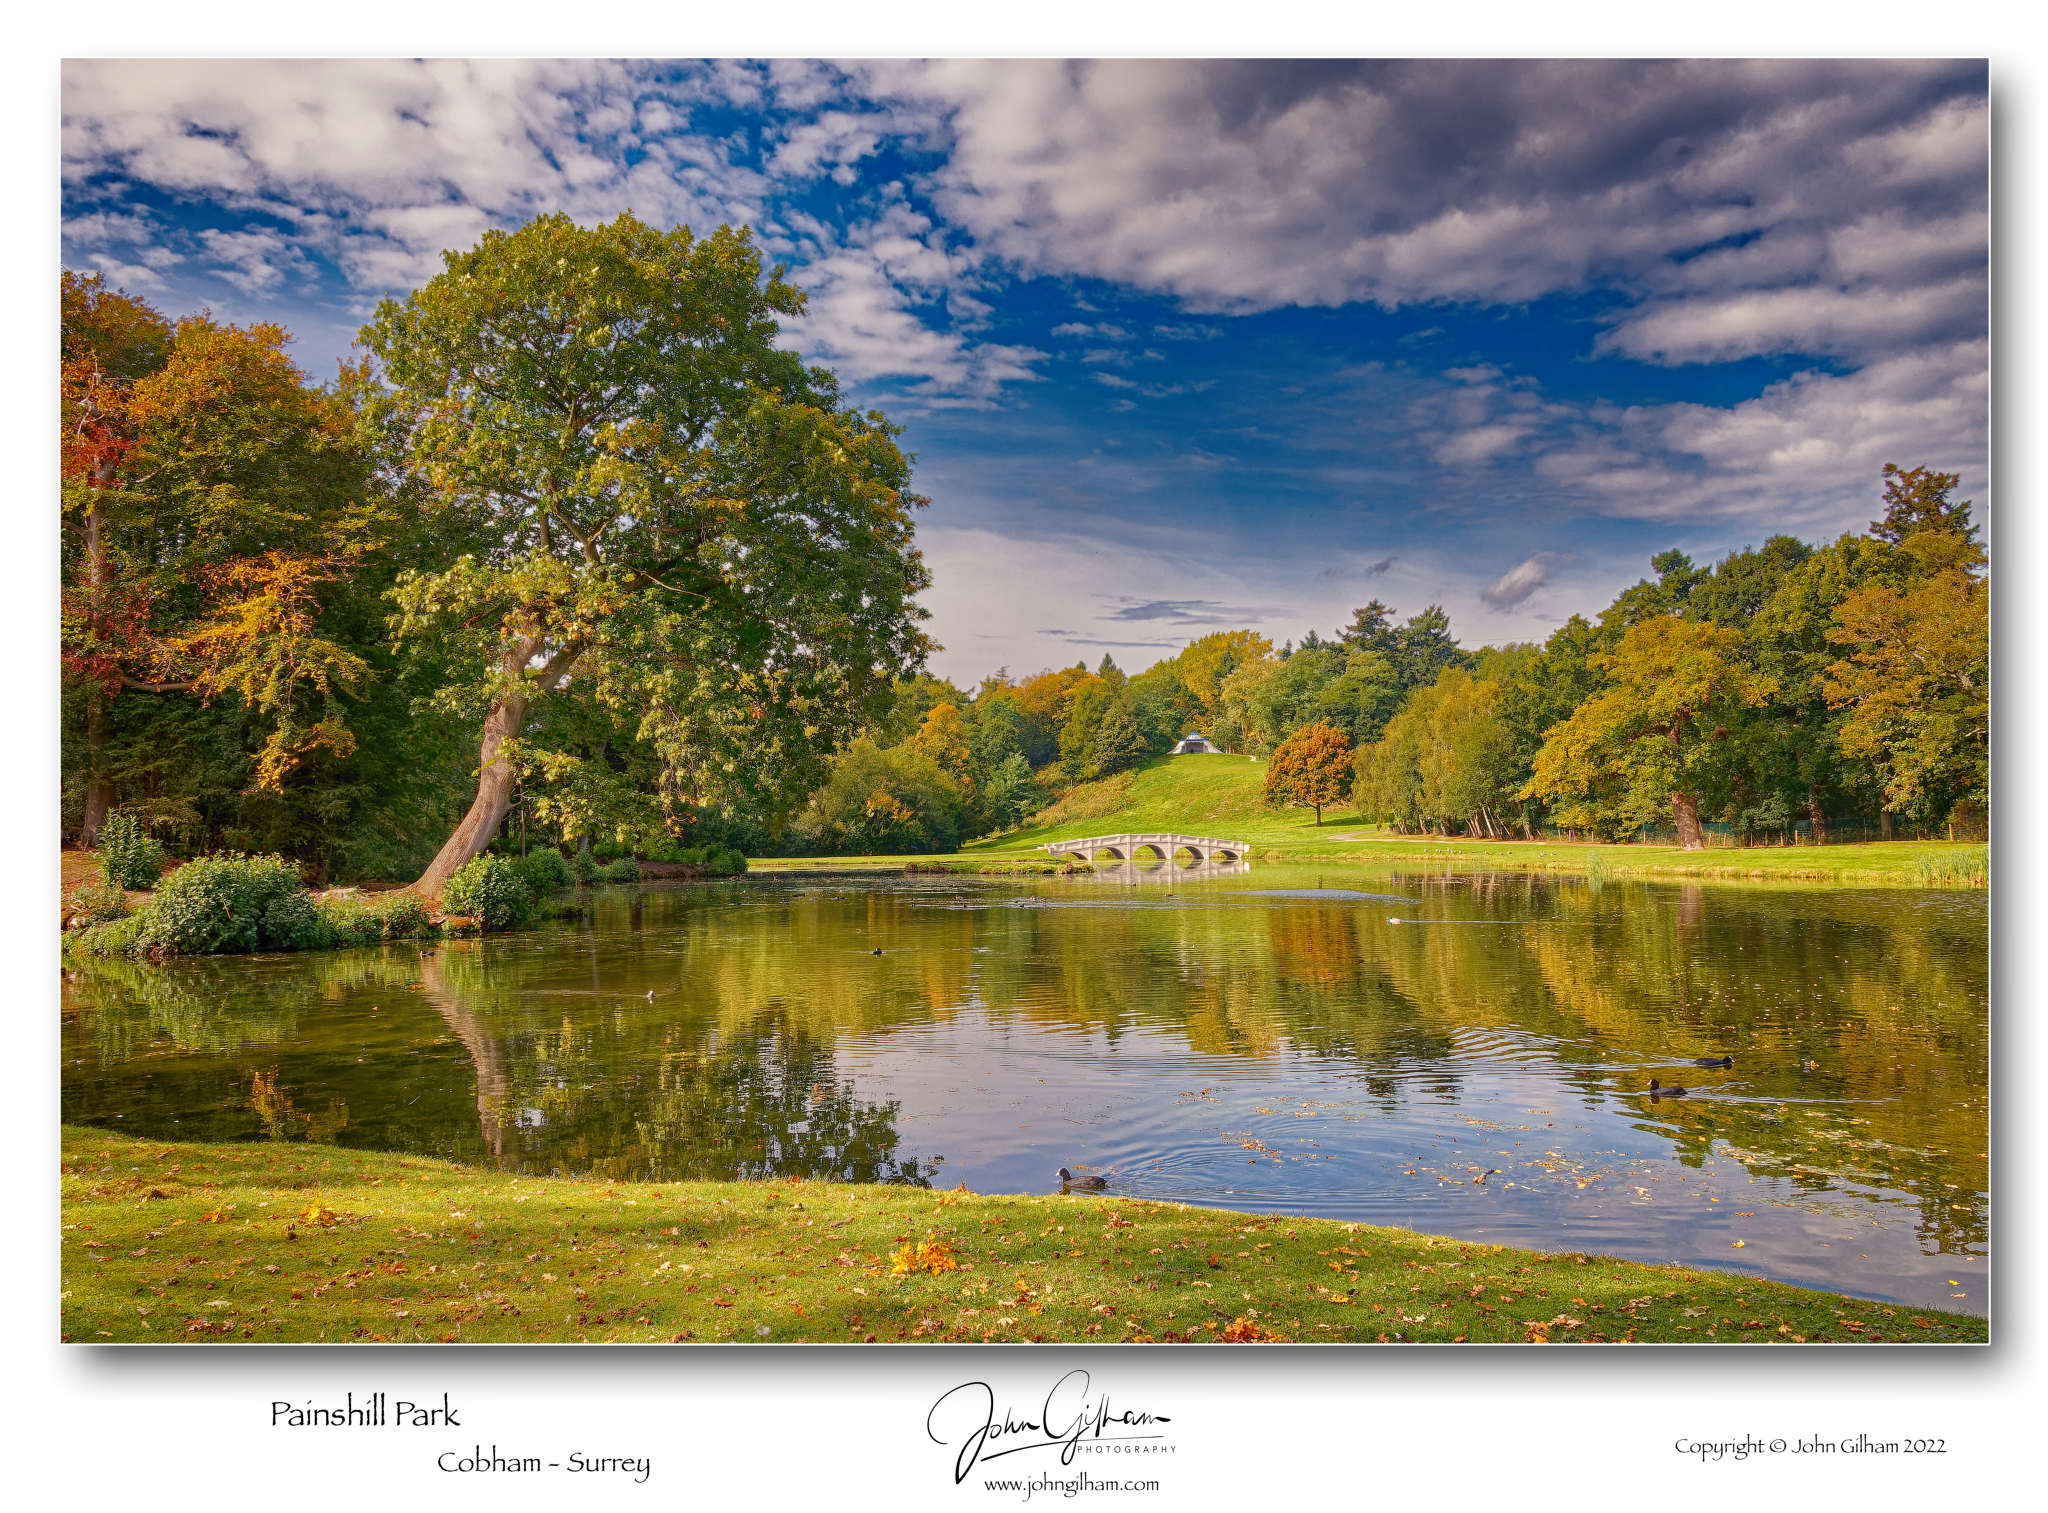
[{"x": 1657, "y": 730}]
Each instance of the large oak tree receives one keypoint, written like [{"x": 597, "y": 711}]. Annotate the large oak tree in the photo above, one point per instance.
[{"x": 658, "y": 502}]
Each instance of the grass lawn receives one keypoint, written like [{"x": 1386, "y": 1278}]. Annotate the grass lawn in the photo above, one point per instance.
[
  {"x": 1221, "y": 796},
  {"x": 185, "y": 1243}
]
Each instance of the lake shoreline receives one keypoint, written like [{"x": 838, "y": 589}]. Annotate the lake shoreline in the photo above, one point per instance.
[{"x": 276, "y": 1242}]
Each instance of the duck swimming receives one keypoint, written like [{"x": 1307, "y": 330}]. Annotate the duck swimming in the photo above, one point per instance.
[
  {"x": 1659, "y": 1091},
  {"x": 1711, "y": 1061},
  {"x": 1089, "y": 1182}
]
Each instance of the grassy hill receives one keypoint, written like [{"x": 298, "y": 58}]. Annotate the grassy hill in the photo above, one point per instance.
[{"x": 1222, "y": 796}]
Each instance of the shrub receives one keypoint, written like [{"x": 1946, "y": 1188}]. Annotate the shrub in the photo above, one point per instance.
[
  {"x": 354, "y": 920},
  {"x": 129, "y": 855},
  {"x": 624, "y": 870},
  {"x": 404, "y": 915},
  {"x": 584, "y": 867},
  {"x": 490, "y": 891},
  {"x": 96, "y": 904},
  {"x": 117, "y": 937},
  {"x": 223, "y": 903},
  {"x": 349, "y": 921},
  {"x": 545, "y": 872},
  {"x": 293, "y": 922},
  {"x": 723, "y": 861}
]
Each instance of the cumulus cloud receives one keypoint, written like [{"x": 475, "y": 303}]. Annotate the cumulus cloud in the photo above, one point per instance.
[
  {"x": 1517, "y": 583},
  {"x": 1734, "y": 209},
  {"x": 1253, "y": 184},
  {"x": 1803, "y": 453}
]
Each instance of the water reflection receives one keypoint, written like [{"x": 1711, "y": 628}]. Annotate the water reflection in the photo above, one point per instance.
[
  {"x": 1151, "y": 871},
  {"x": 1288, "y": 1040}
]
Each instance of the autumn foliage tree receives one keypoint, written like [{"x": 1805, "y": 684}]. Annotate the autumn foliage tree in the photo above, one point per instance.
[
  {"x": 1311, "y": 767},
  {"x": 211, "y": 494},
  {"x": 1915, "y": 684},
  {"x": 1656, "y": 729}
]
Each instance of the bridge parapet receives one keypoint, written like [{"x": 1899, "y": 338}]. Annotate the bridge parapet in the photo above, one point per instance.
[{"x": 1163, "y": 844}]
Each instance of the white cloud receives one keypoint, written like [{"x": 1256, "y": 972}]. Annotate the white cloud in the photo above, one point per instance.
[
  {"x": 1804, "y": 454},
  {"x": 1246, "y": 185},
  {"x": 255, "y": 262},
  {"x": 1517, "y": 583}
]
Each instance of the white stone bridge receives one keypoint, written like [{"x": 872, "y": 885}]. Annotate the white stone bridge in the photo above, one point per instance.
[{"x": 1124, "y": 847}]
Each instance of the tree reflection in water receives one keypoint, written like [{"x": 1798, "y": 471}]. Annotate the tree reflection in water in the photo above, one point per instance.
[{"x": 713, "y": 1032}]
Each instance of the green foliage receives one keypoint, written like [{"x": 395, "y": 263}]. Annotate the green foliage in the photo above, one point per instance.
[
  {"x": 366, "y": 920},
  {"x": 717, "y": 860},
  {"x": 129, "y": 855},
  {"x": 489, "y": 890},
  {"x": 624, "y": 870},
  {"x": 120, "y": 937},
  {"x": 96, "y": 904},
  {"x": 1011, "y": 794},
  {"x": 545, "y": 871},
  {"x": 293, "y": 922},
  {"x": 881, "y": 803},
  {"x": 715, "y": 544},
  {"x": 1448, "y": 758},
  {"x": 584, "y": 867},
  {"x": 228, "y": 903},
  {"x": 1657, "y": 732}
]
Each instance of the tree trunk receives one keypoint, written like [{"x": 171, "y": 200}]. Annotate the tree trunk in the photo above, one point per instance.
[
  {"x": 496, "y": 781},
  {"x": 1820, "y": 821},
  {"x": 99, "y": 790},
  {"x": 487, "y": 811},
  {"x": 1686, "y": 810},
  {"x": 1884, "y": 824}
]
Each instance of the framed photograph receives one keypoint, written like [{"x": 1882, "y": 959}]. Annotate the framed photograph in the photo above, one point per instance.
[{"x": 1069, "y": 741}]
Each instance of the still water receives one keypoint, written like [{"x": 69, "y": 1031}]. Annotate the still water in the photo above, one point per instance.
[{"x": 1466, "y": 1055}]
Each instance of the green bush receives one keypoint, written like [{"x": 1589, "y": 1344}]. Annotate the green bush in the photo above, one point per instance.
[
  {"x": 545, "y": 872},
  {"x": 293, "y": 922},
  {"x": 404, "y": 915},
  {"x": 490, "y": 891},
  {"x": 129, "y": 855},
  {"x": 349, "y": 921},
  {"x": 583, "y": 866},
  {"x": 96, "y": 904},
  {"x": 356, "y": 920},
  {"x": 224, "y": 903},
  {"x": 624, "y": 870},
  {"x": 117, "y": 937}
]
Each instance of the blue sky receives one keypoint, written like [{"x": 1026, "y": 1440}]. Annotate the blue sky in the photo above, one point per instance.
[{"x": 1187, "y": 346}]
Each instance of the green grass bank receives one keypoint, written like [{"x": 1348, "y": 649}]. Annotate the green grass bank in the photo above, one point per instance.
[
  {"x": 291, "y": 1243},
  {"x": 1222, "y": 796}
]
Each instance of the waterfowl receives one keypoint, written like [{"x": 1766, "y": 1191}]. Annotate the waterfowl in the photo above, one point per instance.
[
  {"x": 1090, "y": 1182},
  {"x": 1657, "y": 1090},
  {"x": 1711, "y": 1061},
  {"x": 876, "y": 952}
]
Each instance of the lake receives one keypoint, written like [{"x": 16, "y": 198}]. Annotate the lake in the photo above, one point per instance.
[{"x": 1462, "y": 1054}]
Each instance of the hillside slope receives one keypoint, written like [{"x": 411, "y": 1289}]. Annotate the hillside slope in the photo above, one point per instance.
[{"x": 1215, "y": 795}]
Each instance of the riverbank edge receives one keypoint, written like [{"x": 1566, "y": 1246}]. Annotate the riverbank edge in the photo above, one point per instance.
[
  {"x": 176, "y": 1242},
  {"x": 1599, "y": 862}
]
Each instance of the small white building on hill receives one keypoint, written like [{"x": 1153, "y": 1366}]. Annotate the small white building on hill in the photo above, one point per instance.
[{"x": 1194, "y": 740}]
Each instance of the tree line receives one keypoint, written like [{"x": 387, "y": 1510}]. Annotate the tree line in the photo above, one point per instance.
[
  {"x": 578, "y": 556},
  {"x": 1784, "y": 685}
]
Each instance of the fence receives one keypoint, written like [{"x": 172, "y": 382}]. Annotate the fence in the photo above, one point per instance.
[{"x": 1835, "y": 831}]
